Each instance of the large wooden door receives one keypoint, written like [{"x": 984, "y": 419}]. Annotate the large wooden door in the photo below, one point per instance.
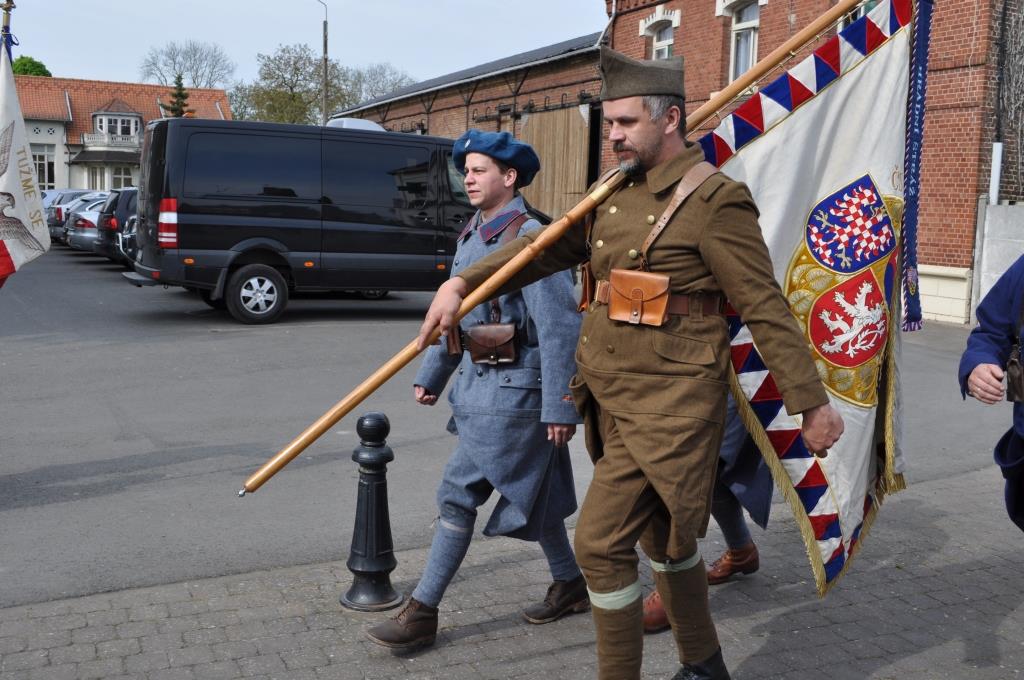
[{"x": 561, "y": 139}]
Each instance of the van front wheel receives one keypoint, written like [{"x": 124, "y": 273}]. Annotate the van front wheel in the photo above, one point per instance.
[{"x": 256, "y": 294}]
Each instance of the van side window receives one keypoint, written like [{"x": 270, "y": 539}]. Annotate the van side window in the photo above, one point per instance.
[
  {"x": 456, "y": 186},
  {"x": 382, "y": 175},
  {"x": 258, "y": 166}
]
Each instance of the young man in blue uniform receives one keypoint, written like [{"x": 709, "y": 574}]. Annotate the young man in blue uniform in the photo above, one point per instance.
[{"x": 513, "y": 417}]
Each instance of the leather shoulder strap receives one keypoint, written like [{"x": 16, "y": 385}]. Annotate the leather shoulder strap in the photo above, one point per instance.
[
  {"x": 508, "y": 234},
  {"x": 690, "y": 182}
]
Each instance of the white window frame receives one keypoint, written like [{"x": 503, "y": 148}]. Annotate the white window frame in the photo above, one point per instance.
[
  {"x": 857, "y": 12},
  {"x": 662, "y": 49},
  {"x": 120, "y": 176},
  {"x": 739, "y": 29},
  {"x": 44, "y": 157},
  {"x": 97, "y": 178},
  {"x": 656, "y": 22}
]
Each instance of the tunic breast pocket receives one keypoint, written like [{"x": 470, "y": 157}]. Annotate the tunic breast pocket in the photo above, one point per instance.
[
  {"x": 521, "y": 389},
  {"x": 683, "y": 350}
]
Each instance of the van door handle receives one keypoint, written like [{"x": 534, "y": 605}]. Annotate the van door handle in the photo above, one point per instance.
[
  {"x": 457, "y": 218},
  {"x": 423, "y": 217}
]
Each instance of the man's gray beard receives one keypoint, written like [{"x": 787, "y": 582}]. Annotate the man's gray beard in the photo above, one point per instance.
[{"x": 632, "y": 168}]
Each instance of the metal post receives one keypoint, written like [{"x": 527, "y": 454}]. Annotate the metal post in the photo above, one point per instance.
[
  {"x": 372, "y": 557},
  {"x": 323, "y": 112}
]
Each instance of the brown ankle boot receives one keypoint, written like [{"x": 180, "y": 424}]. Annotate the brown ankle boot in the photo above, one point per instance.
[
  {"x": 564, "y": 597},
  {"x": 620, "y": 641},
  {"x": 740, "y": 561},
  {"x": 655, "y": 619},
  {"x": 414, "y": 626}
]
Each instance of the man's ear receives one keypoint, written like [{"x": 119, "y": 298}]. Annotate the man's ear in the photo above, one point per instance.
[
  {"x": 673, "y": 119},
  {"x": 510, "y": 177}
]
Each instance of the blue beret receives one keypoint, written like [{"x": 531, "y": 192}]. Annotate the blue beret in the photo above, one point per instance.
[{"x": 500, "y": 146}]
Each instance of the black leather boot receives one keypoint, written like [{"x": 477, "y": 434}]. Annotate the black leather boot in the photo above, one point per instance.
[
  {"x": 563, "y": 597},
  {"x": 712, "y": 668}
]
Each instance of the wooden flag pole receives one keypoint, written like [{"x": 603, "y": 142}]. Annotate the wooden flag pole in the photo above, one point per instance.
[{"x": 550, "y": 235}]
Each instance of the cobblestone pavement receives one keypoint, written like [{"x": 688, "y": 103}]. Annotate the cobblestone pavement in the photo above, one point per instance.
[{"x": 936, "y": 593}]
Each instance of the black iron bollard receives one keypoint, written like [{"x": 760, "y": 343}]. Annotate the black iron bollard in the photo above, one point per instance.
[{"x": 372, "y": 556}]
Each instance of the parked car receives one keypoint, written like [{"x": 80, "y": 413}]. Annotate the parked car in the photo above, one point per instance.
[
  {"x": 114, "y": 213},
  {"x": 247, "y": 213},
  {"x": 55, "y": 214},
  {"x": 80, "y": 228}
]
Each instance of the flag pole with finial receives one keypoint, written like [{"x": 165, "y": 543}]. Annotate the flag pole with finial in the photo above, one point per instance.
[{"x": 7, "y": 6}]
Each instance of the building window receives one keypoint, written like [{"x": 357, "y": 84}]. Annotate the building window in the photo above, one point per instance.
[
  {"x": 122, "y": 177},
  {"x": 43, "y": 156},
  {"x": 661, "y": 47},
  {"x": 117, "y": 126},
  {"x": 745, "y": 21},
  {"x": 97, "y": 178},
  {"x": 856, "y": 13}
]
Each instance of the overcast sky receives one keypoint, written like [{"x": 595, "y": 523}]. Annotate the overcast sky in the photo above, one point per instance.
[{"x": 425, "y": 38}]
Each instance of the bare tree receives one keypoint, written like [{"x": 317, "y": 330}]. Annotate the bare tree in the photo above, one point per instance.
[
  {"x": 377, "y": 80},
  {"x": 200, "y": 64},
  {"x": 1013, "y": 90}
]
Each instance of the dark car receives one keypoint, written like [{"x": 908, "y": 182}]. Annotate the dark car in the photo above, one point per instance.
[
  {"x": 113, "y": 217},
  {"x": 56, "y": 214},
  {"x": 246, "y": 213}
]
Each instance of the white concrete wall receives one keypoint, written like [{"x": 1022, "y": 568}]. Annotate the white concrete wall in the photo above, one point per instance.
[
  {"x": 1002, "y": 244},
  {"x": 945, "y": 293}
]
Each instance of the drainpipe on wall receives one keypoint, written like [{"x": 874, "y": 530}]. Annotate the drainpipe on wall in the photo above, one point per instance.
[{"x": 997, "y": 146}]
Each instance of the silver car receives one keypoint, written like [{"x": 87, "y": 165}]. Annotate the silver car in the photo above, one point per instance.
[{"x": 80, "y": 229}]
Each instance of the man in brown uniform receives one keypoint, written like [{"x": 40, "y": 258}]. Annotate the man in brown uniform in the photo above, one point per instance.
[{"x": 653, "y": 396}]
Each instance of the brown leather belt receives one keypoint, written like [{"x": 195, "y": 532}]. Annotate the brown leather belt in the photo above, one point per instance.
[{"x": 709, "y": 303}]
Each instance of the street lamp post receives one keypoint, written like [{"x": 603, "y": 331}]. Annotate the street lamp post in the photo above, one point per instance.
[{"x": 323, "y": 111}]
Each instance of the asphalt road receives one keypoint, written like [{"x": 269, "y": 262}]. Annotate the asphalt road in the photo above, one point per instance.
[{"x": 129, "y": 419}]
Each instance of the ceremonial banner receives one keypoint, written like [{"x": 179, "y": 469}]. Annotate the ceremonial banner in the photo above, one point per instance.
[
  {"x": 830, "y": 151},
  {"x": 23, "y": 232}
]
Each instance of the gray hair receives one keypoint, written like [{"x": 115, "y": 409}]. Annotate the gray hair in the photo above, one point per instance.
[{"x": 657, "y": 106}]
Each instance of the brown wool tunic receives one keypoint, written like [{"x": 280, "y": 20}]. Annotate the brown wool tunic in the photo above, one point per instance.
[{"x": 656, "y": 382}]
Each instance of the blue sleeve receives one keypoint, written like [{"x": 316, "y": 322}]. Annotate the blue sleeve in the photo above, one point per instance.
[
  {"x": 437, "y": 368},
  {"x": 551, "y": 303},
  {"x": 998, "y": 314}
]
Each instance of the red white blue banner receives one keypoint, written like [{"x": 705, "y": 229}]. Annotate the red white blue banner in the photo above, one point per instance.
[
  {"x": 23, "y": 232},
  {"x": 824, "y": 150}
]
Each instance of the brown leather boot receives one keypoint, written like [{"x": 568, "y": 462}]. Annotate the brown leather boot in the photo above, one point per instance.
[
  {"x": 620, "y": 641},
  {"x": 414, "y": 626},
  {"x": 740, "y": 561},
  {"x": 655, "y": 619},
  {"x": 712, "y": 668},
  {"x": 564, "y": 597}
]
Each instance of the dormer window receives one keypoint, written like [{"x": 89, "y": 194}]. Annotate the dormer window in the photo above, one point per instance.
[{"x": 127, "y": 126}]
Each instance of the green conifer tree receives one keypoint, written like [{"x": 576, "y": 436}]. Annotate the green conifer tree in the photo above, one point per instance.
[{"x": 179, "y": 100}]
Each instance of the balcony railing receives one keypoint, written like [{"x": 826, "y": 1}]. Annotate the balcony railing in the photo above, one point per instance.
[{"x": 103, "y": 139}]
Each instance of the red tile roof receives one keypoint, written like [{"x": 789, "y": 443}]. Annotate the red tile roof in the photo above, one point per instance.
[{"x": 49, "y": 99}]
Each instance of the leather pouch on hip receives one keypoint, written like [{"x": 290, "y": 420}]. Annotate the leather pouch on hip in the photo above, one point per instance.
[
  {"x": 638, "y": 297},
  {"x": 1014, "y": 375},
  {"x": 491, "y": 343}
]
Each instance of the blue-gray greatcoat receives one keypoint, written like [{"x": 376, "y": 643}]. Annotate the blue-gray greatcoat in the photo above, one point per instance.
[{"x": 500, "y": 413}]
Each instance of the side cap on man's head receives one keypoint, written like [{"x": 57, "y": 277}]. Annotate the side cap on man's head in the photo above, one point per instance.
[
  {"x": 623, "y": 77},
  {"x": 500, "y": 146}
]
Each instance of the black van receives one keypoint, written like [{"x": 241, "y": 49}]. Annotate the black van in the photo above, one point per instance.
[{"x": 246, "y": 212}]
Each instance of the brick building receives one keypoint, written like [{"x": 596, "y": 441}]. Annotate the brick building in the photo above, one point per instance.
[
  {"x": 88, "y": 133},
  {"x": 548, "y": 97}
]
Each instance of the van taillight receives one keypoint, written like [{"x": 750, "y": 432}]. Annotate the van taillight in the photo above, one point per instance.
[
  {"x": 108, "y": 222},
  {"x": 167, "y": 224},
  {"x": 60, "y": 214}
]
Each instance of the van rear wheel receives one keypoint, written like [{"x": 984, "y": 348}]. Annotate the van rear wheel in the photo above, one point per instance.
[{"x": 256, "y": 294}]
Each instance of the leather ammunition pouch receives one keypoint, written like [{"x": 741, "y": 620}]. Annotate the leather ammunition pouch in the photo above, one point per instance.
[
  {"x": 638, "y": 297},
  {"x": 492, "y": 343}
]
